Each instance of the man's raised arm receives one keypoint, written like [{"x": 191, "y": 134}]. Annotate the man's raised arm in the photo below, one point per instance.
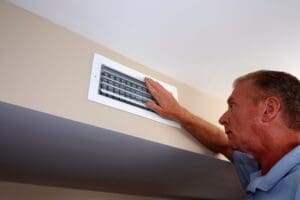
[{"x": 167, "y": 106}]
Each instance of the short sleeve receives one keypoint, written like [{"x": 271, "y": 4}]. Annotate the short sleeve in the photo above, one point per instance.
[{"x": 245, "y": 165}]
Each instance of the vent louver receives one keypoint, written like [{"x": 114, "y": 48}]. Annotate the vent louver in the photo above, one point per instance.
[
  {"x": 120, "y": 87},
  {"x": 124, "y": 88}
]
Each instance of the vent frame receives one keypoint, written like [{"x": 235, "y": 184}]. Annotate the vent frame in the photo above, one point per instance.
[{"x": 93, "y": 94}]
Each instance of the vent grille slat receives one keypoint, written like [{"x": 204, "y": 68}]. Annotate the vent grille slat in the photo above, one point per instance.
[{"x": 124, "y": 88}]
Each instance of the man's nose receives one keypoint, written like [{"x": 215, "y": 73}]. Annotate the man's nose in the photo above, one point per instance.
[{"x": 224, "y": 119}]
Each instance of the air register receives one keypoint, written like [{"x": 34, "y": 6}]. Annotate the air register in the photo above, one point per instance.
[{"x": 121, "y": 87}]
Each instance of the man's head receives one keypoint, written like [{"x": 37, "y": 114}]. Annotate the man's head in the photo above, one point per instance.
[
  {"x": 261, "y": 100},
  {"x": 280, "y": 84}
]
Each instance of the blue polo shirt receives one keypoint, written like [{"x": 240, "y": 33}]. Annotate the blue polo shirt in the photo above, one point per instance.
[{"x": 282, "y": 182}]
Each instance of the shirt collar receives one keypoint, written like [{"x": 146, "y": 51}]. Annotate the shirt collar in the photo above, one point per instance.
[{"x": 277, "y": 172}]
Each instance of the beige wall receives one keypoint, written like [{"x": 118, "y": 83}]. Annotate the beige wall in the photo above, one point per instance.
[{"x": 47, "y": 68}]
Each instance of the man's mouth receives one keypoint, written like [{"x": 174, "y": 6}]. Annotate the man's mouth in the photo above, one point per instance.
[{"x": 228, "y": 133}]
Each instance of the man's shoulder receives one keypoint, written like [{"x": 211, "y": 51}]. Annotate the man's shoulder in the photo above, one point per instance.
[
  {"x": 290, "y": 173},
  {"x": 294, "y": 174}
]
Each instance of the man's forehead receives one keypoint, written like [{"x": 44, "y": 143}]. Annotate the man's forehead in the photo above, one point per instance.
[{"x": 239, "y": 91}]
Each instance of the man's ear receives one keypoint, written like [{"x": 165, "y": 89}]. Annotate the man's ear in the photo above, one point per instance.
[{"x": 271, "y": 108}]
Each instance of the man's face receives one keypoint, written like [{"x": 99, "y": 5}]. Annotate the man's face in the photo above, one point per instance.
[{"x": 241, "y": 117}]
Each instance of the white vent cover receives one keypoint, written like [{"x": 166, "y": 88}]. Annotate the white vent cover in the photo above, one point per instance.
[{"x": 123, "y": 88}]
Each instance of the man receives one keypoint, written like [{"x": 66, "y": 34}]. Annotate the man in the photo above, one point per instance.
[{"x": 262, "y": 131}]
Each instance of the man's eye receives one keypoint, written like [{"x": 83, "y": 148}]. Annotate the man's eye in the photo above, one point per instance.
[{"x": 231, "y": 105}]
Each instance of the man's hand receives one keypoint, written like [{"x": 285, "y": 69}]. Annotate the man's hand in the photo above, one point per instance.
[{"x": 167, "y": 106}]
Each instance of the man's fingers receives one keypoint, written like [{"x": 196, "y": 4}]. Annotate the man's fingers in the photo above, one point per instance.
[
  {"x": 153, "y": 106},
  {"x": 165, "y": 102},
  {"x": 151, "y": 85},
  {"x": 154, "y": 88}
]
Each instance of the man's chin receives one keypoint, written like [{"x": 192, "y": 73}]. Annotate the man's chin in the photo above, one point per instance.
[
  {"x": 233, "y": 146},
  {"x": 236, "y": 149}
]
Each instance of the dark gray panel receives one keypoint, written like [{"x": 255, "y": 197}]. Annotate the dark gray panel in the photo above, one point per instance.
[{"x": 40, "y": 148}]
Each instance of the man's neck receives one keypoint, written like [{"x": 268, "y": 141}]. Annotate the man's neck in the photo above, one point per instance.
[
  {"x": 267, "y": 162},
  {"x": 272, "y": 153}
]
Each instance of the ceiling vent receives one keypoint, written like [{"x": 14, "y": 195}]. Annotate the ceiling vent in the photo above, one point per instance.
[{"x": 123, "y": 88}]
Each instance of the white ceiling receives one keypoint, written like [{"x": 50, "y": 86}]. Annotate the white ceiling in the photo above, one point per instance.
[{"x": 203, "y": 43}]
